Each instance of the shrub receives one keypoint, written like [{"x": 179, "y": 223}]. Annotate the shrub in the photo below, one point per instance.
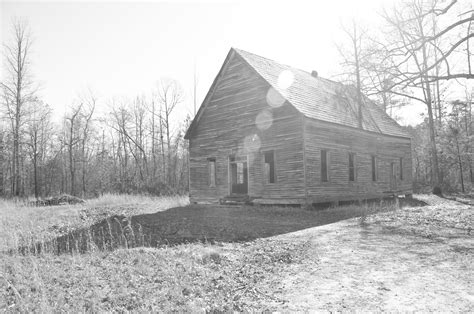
[{"x": 437, "y": 191}]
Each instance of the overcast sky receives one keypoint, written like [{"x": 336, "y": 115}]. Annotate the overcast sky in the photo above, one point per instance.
[{"x": 123, "y": 48}]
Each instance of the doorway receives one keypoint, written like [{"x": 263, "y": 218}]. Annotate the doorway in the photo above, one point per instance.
[{"x": 238, "y": 176}]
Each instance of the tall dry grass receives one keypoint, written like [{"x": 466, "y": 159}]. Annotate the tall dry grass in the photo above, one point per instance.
[
  {"x": 22, "y": 224},
  {"x": 157, "y": 202}
]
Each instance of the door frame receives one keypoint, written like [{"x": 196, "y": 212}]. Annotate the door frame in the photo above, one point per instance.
[{"x": 237, "y": 159}]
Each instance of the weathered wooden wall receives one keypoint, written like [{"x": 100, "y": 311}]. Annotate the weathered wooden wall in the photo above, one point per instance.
[
  {"x": 339, "y": 141},
  {"x": 228, "y": 126}
]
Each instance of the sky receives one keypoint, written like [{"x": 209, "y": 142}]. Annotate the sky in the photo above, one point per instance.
[{"x": 122, "y": 49}]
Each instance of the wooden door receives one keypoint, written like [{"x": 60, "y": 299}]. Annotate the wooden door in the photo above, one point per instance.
[{"x": 239, "y": 177}]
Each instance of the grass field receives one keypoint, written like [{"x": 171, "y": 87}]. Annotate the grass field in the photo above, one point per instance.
[
  {"x": 21, "y": 224},
  {"x": 283, "y": 271}
]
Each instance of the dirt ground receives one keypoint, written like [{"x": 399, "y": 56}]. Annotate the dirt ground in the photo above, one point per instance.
[
  {"x": 409, "y": 259},
  {"x": 417, "y": 259}
]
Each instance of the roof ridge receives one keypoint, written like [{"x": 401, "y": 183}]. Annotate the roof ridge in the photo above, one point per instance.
[
  {"x": 314, "y": 97},
  {"x": 238, "y": 50}
]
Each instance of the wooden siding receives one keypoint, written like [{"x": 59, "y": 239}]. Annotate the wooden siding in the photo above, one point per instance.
[
  {"x": 227, "y": 126},
  {"x": 339, "y": 141}
]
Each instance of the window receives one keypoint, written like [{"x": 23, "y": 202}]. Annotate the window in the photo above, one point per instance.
[
  {"x": 269, "y": 167},
  {"x": 374, "y": 169},
  {"x": 324, "y": 166},
  {"x": 212, "y": 171},
  {"x": 351, "y": 167},
  {"x": 401, "y": 168},
  {"x": 240, "y": 173}
]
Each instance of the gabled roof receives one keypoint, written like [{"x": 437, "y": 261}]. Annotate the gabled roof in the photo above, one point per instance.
[{"x": 316, "y": 97}]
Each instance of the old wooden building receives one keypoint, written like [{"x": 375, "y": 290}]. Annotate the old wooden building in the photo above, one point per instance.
[{"x": 276, "y": 134}]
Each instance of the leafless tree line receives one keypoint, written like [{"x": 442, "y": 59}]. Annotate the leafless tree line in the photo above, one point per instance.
[
  {"x": 133, "y": 148},
  {"x": 421, "y": 52}
]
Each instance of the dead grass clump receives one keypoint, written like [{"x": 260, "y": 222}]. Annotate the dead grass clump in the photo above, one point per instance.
[
  {"x": 210, "y": 255},
  {"x": 110, "y": 200},
  {"x": 369, "y": 209},
  {"x": 438, "y": 217}
]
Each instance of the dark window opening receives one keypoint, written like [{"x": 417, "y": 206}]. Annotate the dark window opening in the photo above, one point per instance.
[
  {"x": 324, "y": 166},
  {"x": 351, "y": 167},
  {"x": 401, "y": 168},
  {"x": 374, "y": 169},
  {"x": 212, "y": 171},
  {"x": 269, "y": 167}
]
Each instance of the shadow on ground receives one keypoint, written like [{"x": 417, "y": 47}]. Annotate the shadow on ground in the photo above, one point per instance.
[{"x": 200, "y": 223}]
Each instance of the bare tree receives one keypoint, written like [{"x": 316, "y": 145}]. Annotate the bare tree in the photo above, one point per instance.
[
  {"x": 352, "y": 60},
  {"x": 88, "y": 109},
  {"x": 413, "y": 62},
  {"x": 71, "y": 140},
  {"x": 18, "y": 91},
  {"x": 169, "y": 95},
  {"x": 3, "y": 152},
  {"x": 362, "y": 60},
  {"x": 39, "y": 127},
  {"x": 195, "y": 84}
]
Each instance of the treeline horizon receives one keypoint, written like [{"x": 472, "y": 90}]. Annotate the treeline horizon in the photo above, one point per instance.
[
  {"x": 420, "y": 53},
  {"x": 133, "y": 148}
]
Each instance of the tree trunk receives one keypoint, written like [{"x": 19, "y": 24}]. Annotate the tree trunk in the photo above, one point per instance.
[
  {"x": 169, "y": 148},
  {"x": 153, "y": 141},
  {"x": 359, "y": 88},
  {"x": 35, "y": 164},
  {"x": 163, "y": 159},
  {"x": 460, "y": 165},
  {"x": 71, "y": 157},
  {"x": 16, "y": 136},
  {"x": 83, "y": 170},
  {"x": 429, "y": 103}
]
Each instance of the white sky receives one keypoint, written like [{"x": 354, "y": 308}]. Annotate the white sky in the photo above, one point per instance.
[{"x": 123, "y": 48}]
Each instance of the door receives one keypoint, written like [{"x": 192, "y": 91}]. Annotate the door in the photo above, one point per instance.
[
  {"x": 239, "y": 177},
  {"x": 393, "y": 176}
]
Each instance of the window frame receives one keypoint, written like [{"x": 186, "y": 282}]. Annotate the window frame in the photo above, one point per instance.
[
  {"x": 212, "y": 179},
  {"x": 352, "y": 175},
  {"x": 327, "y": 161},
  {"x": 373, "y": 167},
  {"x": 267, "y": 177},
  {"x": 401, "y": 168}
]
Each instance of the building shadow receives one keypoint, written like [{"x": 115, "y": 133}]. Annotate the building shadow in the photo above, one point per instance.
[{"x": 198, "y": 223}]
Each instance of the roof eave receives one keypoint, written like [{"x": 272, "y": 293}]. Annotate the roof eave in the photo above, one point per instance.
[{"x": 407, "y": 137}]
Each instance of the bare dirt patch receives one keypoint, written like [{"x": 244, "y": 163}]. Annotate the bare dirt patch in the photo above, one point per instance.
[
  {"x": 198, "y": 223},
  {"x": 416, "y": 259}
]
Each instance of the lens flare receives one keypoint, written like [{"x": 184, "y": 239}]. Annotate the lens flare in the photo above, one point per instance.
[
  {"x": 274, "y": 98},
  {"x": 251, "y": 147},
  {"x": 252, "y": 143},
  {"x": 264, "y": 120},
  {"x": 286, "y": 79}
]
